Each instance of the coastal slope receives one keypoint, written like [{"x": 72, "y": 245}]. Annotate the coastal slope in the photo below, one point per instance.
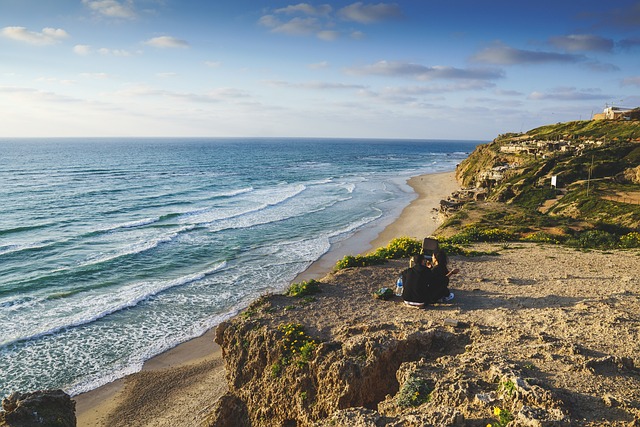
[{"x": 546, "y": 334}]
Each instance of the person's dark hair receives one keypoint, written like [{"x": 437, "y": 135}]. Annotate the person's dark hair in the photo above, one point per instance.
[
  {"x": 442, "y": 258},
  {"x": 417, "y": 259}
]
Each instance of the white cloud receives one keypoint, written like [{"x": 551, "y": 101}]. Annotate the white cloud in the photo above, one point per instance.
[
  {"x": 82, "y": 49},
  {"x": 167, "y": 42},
  {"x": 47, "y": 36},
  {"x": 505, "y": 55},
  {"x": 423, "y": 72},
  {"x": 505, "y": 92},
  {"x": 582, "y": 42},
  {"x": 111, "y": 8},
  {"x": 314, "y": 85},
  {"x": 270, "y": 21},
  {"x": 321, "y": 20},
  {"x": 295, "y": 26},
  {"x": 213, "y": 64},
  {"x": 114, "y": 52},
  {"x": 306, "y": 8},
  {"x": 569, "y": 94},
  {"x": 328, "y": 35},
  {"x": 370, "y": 13}
]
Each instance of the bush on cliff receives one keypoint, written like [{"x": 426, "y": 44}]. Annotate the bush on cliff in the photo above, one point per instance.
[
  {"x": 401, "y": 247},
  {"x": 303, "y": 288}
]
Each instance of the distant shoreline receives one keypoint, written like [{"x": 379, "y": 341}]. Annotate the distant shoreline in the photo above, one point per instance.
[{"x": 416, "y": 220}]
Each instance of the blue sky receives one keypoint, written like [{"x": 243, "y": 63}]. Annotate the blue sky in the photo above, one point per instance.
[{"x": 456, "y": 69}]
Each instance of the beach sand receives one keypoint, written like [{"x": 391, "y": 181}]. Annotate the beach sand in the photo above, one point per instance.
[{"x": 184, "y": 382}]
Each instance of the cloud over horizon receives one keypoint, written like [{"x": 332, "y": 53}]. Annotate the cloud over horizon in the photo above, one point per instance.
[
  {"x": 423, "y": 72},
  {"x": 111, "y": 8},
  {"x": 582, "y": 43},
  {"x": 569, "y": 94},
  {"x": 500, "y": 54},
  {"x": 370, "y": 13},
  {"x": 305, "y": 19},
  {"x": 47, "y": 36},
  {"x": 166, "y": 42}
]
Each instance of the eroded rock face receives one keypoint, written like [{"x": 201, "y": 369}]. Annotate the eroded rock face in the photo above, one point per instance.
[
  {"x": 40, "y": 408},
  {"x": 356, "y": 369},
  {"x": 529, "y": 360}
]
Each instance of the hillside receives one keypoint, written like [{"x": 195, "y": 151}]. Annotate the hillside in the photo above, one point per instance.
[{"x": 597, "y": 180}]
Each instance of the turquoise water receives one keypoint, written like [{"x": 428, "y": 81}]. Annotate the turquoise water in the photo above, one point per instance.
[{"x": 113, "y": 251}]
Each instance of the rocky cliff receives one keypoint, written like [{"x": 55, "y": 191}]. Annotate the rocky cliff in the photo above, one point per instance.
[
  {"x": 40, "y": 408},
  {"x": 379, "y": 363}
]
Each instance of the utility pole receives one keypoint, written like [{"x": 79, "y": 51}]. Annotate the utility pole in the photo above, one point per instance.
[{"x": 589, "y": 176}]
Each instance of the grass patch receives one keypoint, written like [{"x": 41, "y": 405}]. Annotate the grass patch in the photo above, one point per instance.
[{"x": 303, "y": 289}]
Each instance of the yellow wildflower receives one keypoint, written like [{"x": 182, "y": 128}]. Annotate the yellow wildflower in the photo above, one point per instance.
[{"x": 496, "y": 411}]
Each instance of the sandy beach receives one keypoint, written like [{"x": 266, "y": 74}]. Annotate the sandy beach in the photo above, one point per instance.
[{"x": 185, "y": 381}]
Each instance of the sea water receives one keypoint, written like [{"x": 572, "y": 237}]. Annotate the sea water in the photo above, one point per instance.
[{"x": 115, "y": 250}]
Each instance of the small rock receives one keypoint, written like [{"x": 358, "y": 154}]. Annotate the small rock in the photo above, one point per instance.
[
  {"x": 486, "y": 398},
  {"x": 451, "y": 322},
  {"x": 610, "y": 400}
]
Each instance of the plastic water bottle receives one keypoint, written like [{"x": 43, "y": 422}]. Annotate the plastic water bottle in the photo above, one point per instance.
[{"x": 399, "y": 287}]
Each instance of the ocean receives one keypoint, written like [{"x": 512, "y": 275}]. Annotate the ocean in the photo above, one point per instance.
[{"x": 115, "y": 250}]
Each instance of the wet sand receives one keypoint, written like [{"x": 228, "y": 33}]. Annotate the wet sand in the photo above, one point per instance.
[{"x": 185, "y": 381}]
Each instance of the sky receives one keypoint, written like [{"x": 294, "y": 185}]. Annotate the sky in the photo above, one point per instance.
[{"x": 418, "y": 69}]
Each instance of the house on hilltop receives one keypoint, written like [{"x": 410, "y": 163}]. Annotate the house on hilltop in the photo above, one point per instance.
[{"x": 618, "y": 113}]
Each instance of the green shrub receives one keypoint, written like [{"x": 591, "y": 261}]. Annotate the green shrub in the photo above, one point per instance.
[
  {"x": 477, "y": 234},
  {"x": 297, "y": 345},
  {"x": 414, "y": 392},
  {"x": 504, "y": 417},
  {"x": 359, "y": 261},
  {"x": 303, "y": 288},
  {"x": 594, "y": 239},
  {"x": 276, "y": 369},
  {"x": 542, "y": 237},
  {"x": 630, "y": 240},
  {"x": 401, "y": 247}
]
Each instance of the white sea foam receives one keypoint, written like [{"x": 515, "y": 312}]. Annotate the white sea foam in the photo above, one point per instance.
[
  {"x": 142, "y": 244},
  {"x": 85, "y": 307}
]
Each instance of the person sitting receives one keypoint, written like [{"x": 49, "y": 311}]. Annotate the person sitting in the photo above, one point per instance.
[
  {"x": 416, "y": 282},
  {"x": 438, "y": 290}
]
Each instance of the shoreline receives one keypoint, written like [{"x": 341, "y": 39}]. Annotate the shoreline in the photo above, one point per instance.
[{"x": 416, "y": 220}]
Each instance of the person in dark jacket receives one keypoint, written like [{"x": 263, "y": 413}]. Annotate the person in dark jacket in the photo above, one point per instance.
[
  {"x": 438, "y": 290},
  {"x": 416, "y": 282}
]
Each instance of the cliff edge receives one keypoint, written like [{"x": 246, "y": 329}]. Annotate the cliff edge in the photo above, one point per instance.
[{"x": 523, "y": 342}]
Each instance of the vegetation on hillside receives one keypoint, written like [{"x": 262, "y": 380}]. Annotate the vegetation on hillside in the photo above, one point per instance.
[
  {"x": 601, "y": 130},
  {"x": 596, "y": 174}
]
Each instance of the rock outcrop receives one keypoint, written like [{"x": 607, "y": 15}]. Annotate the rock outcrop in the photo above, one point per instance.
[
  {"x": 394, "y": 367},
  {"x": 40, "y": 408}
]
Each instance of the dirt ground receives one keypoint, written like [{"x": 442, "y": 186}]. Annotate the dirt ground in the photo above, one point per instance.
[{"x": 564, "y": 321}]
